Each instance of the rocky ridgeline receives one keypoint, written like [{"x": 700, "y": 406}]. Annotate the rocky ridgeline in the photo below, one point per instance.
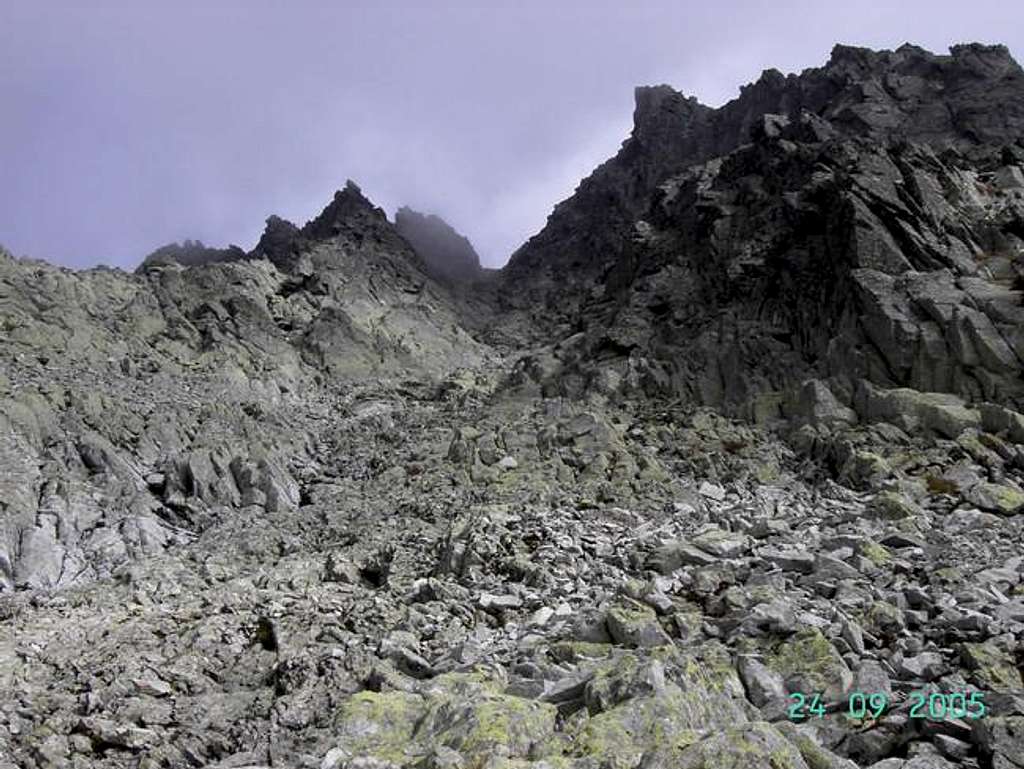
[
  {"x": 447, "y": 253},
  {"x": 742, "y": 422}
]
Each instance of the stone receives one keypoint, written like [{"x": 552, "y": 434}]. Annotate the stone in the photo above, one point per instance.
[
  {"x": 674, "y": 555},
  {"x": 927, "y": 666},
  {"x": 853, "y": 634},
  {"x": 633, "y": 624},
  {"x": 892, "y": 506},
  {"x": 744, "y": 747},
  {"x": 998, "y": 498},
  {"x": 508, "y": 463},
  {"x": 808, "y": 662},
  {"x": 1001, "y": 740},
  {"x": 827, "y": 567},
  {"x": 722, "y": 544},
  {"x": 711, "y": 491},
  {"x": 882, "y": 619},
  {"x": 872, "y": 677},
  {"x": 928, "y": 762},
  {"x": 990, "y": 667},
  {"x": 816, "y": 404},
  {"x": 499, "y": 603},
  {"x": 789, "y": 560},
  {"x": 153, "y": 687},
  {"x": 762, "y": 684}
]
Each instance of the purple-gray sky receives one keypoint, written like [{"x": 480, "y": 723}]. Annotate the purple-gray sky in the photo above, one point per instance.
[{"x": 126, "y": 124}]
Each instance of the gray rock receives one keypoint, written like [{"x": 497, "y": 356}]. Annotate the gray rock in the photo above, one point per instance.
[
  {"x": 671, "y": 556},
  {"x": 498, "y": 603},
  {"x": 633, "y": 624},
  {"x": 927, "y": 666},
  {"x": 711, "y": 491},
  {"x": 762, "y": 684},
  {"x": 872, "y": 677},
  {"x": 789, "y": 560},
  {"x": 722, "y": 544}
]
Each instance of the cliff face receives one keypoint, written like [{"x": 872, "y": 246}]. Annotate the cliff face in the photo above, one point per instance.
[
  {"x": 860, "y": 221},
  {"x": 447, "y": 254}
]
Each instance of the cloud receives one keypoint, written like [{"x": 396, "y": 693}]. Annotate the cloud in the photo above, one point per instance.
[{"x": 127, "y": 124}]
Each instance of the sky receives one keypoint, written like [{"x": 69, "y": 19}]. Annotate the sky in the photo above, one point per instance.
[{"x": 129, "y": 124}]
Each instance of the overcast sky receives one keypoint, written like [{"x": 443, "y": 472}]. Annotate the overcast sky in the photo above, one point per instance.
[{"x": 125, "y": 125}]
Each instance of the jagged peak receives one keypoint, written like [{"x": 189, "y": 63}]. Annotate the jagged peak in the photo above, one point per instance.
[
  {"x": 280, "y": 242},
  {"x": 841, "y": 52},
  {"x": 650, "y": 99},
  {"x": 662, "y": 113},
  {"x": 349, "y": 206}
]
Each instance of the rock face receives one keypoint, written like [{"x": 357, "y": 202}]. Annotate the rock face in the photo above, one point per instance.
[
  {"x": 862, "y": 221},
  {"x": 446, "y": 253},
  {"x": 743, "y": 422}
]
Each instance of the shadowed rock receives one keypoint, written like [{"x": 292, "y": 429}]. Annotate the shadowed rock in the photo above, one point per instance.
[{"x": 446, "y": 253}]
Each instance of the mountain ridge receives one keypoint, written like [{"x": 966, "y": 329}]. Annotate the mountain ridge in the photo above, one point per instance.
[{"x": 742, "y": 426}]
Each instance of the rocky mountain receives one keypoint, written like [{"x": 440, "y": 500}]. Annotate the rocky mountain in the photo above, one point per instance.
[
  {"x": 735, "y": 437},
  {"x": 861, "y": 221},
  {"x": 446, "y": 253}
]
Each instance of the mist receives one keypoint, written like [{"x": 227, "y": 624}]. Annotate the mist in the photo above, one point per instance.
[{"x": 127, "y": 125}]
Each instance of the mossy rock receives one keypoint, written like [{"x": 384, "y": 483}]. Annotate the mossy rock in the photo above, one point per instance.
[
  {"x": 379, "y": 724},
  {"x": 579, "y": 651},
  {"x": 878, "y": 554},
  {"x": 767, "y": 472},
  {"x": 892, "y": 506},
  {"x": 634, "y": 624},
  {"x": 620, "y": 678},
  {"x": 464, "y": 712},
  {"x": 814, "y": 755},
  {"x": 667, "y": 722},
  {"x": 715, "y": 668},
  {"x": 864, "y": 469},
  {"x": 496, "y": 725},
  {"x": 884, "y": 620},
  {"x": 809, "y": 663},
  {"x": 996, "y": 498},
  {"x": 758, "y": 745},
  {"x": 630, "y": 694},
  {"x": 947, "y": 575},
  {"x": 990, "y": 667},
  {"x": 980, "y": 453}
]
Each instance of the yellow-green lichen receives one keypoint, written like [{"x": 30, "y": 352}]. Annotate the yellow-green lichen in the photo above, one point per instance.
[
  {"x": 503, "y": 725},
  {"x": 947, "y": 575},
  {"x": 884, "y": 619},
  {"x": 620, "y": 736},
  {"x": 577, "y": 651},
  {"x": 750, "y": 746},
  {"x": 379, "y": 724},
  {"x": 892, "y": 506},
  {"x": 878, "y": 554},
  {"x": 810, "y": 656},
  {"x": 991, "y": 668}
]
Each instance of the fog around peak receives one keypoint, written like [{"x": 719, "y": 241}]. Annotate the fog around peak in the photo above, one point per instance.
[{"x": 128, "y": 125}]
